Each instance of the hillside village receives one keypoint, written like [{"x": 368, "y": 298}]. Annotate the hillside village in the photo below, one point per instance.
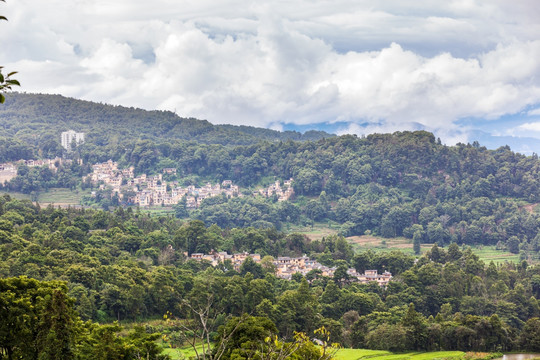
[
  {"x": 283, "y": 193},
  {"x": 148, "y": 190},
  {"x": 153, "y": 190},
  {"x": 287, "y": 266},
  {"x": 8, "y": 170}
]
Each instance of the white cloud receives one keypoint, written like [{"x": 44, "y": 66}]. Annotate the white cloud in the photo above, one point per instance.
[
  {"x": 532, "y": 126},
  {"x": 396, "y": 65}
]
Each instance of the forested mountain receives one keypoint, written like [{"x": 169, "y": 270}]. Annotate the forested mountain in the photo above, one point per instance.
[
  {"x": 39, "y": 117},
  {"x": 401, "y": 184}
]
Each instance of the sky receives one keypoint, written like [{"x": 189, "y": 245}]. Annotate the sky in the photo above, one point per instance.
[{"x": 453, "y": 67}]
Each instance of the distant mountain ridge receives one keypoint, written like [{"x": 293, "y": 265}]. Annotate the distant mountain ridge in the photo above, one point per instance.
[{"x": 41, "y": 113}]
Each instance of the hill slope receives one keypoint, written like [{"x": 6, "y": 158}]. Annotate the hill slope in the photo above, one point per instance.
[{"x": 40, "y": 114}]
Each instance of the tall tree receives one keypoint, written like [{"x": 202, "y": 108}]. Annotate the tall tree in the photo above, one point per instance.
[{"x": 417, "y": 241}]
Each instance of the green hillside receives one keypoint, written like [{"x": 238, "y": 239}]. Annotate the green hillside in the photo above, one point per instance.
[
  {"x": 41, "y": 117},
  {"x": 406, "y": 184}
]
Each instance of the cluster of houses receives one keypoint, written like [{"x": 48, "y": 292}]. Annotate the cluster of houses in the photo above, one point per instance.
[
  {"x": 283, "y": 193},
  {"x": 287, "y": 266},
  {"x": 8, "y": 170},
  {"x": 146, "y": 190},
  {"x": 153, "y": 190}
]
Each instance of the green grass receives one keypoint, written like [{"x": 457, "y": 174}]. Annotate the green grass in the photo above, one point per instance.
[
  {"x": 485, "y": 253},
  {"x": 377, "y": 243},
  {"x": 345, "y": 354},
  {"x": 62, "y": 196},
  {"x": 55, "y": 196},
  {"x": 355, "y": 354},
  {"x": 158, "y": 210},
  {"x": 16, "y": 195},
  {"x": 181, "y": 353},
  {"x": 380, "y": 244},
  {"x": 490, "y": 253},
  {"x": 437, "y": 355},
  {"x": 315, "y": 232}
]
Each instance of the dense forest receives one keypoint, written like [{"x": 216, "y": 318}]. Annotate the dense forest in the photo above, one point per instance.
[
  {"x": 65, "y": 271},
  {"x": 38, "y": 119},
  {"x": 127, "y": 265}
]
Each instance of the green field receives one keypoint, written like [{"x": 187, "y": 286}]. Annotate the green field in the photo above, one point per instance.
[
  {"x": 489, "y": 253},
  {"x": 367, "y": 242},
  {"x": 376, "y": 243},
  {"x": 66, "y": 197},
  {"x": 181, "y": 353},
  {"x": 158, "y": 210},
  {"x": 349, "y": 354},
  {"x": 355, "y": 354},
  {"x": 16, "y": 195},
  {"x": 62, "y": 196},
  {"x": 55, "y": 196},
  {"x": 315, "y": 232}
]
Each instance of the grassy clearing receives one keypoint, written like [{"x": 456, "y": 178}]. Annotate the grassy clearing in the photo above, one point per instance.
[
  {"x": 346, "y": 354},
  {"x": 315, "y": 232},
  {"x": 62, "y": 196},
  {"x": 360, "y": 243},
  {"x": 380, "y": 244},
  {"x": 55, "y": 196},
  {"x": 367, "y": 242},
  {"x": 158, "y": 210},
  {"x": 375, "y": 243},
  {"x": 485, "y": 253},
  {"x": 437, "y": 355},
  {"x": 181, "y": 353},
  {"x": 16, "y": 195},
  {"x": 490, "y": 253},
  {"x": 355, "y": 354}
]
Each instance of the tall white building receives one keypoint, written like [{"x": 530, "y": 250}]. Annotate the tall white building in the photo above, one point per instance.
[{"x": 70, "y": 136}]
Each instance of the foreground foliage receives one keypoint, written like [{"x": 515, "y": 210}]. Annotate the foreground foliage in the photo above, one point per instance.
[{"x": 39, "y": 322}]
